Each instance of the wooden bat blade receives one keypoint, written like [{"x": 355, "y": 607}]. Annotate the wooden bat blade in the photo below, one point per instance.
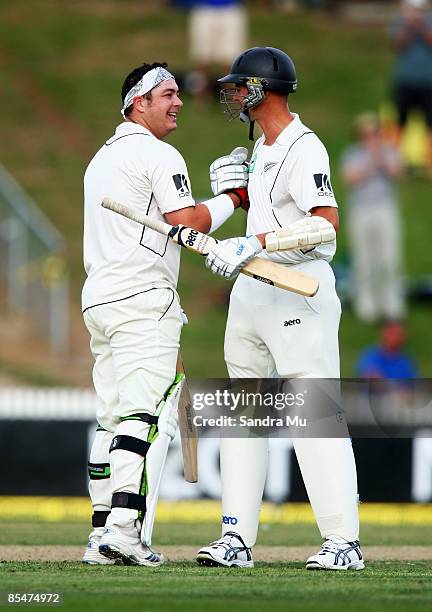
[
  {"x": 188, "y": 433},
  {"x": 258, "y": 268},
  {"x": 280, "y": 276}
]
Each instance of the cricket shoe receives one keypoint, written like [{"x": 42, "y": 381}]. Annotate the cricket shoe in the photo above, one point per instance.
[
  {"x": 337, "y": 554},
  {"x": 92, "y": 555},
  {"x": 229, "y": 551},
  {"x": 124, "y": 543}
]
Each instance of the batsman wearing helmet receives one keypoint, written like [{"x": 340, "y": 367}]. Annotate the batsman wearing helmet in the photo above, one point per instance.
[{"x": 290, "y": 191}]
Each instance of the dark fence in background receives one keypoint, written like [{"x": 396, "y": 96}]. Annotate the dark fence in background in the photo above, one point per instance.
[{"x": 49, "y": 458}]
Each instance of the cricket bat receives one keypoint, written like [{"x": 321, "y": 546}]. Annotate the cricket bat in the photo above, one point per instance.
[
  {"x": 188, "y": 433},
  {"x": 258, "y": 268}
]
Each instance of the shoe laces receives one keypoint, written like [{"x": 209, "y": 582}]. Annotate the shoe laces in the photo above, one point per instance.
[
  {"x": 228, "y": 537},
  {"x": 330, "y": 546},
  {"x": 108, "y": 530}
]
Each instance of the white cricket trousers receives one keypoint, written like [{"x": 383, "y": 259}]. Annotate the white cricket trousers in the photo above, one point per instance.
[
  {"x": 217, "y": 34},
  {"x": 134, "y": 343},
  {"x": 275, "y": 333},
  {"x": 375, "y": 241}
]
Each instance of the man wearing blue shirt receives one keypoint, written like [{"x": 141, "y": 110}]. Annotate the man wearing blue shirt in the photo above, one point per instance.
[{"x": 388, "y": 359}]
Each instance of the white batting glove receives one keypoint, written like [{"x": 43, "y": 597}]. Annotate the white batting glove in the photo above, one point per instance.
[
  {"x": 228, "y": 257},
  {"x": 184, "y": 317},
  {"x": 229, "y": 172},
  {"x": 309, "y": 231},
  {"x": 167, "y": 409}
]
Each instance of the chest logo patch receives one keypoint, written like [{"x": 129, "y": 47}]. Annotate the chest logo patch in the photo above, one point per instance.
[{"x": 269, "y": 165}]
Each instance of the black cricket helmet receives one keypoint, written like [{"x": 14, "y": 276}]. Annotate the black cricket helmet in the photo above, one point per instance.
[{"x": 260, "y": 69}]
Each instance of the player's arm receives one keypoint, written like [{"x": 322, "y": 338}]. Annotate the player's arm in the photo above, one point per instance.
[
  {"x": 308, "y": 182},
  {"x": 315, "y": 230},
  {"x": 228, "y": 178},
  {"x": 207, "y": 216},
  {"x": 313, "y": 236},
  {"x": 329, "y": 213},
  {"x": 320, "y": 226}
]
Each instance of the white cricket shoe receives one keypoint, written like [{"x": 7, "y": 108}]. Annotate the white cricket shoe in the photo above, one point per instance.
[
  {"x": 124, "y": 543},
  {"x": 92, "y": 555},
  {"x": 337, "y": 554},
  {"x": 229, "y": 551}
]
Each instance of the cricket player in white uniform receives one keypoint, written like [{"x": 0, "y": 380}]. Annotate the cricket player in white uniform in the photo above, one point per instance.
[
  {"x": 132, "y": 311},
  {"x": 290, "y": 193}
]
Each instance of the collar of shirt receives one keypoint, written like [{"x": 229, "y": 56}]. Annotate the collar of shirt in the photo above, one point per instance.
[
  {"x": 129, "y": 127},
  {"x": 291, "y": 132}
]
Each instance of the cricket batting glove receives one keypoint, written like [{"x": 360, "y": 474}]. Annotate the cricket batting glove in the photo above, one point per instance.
[
  {"x": 184, "y": 317},
  {"x": 228, "y": 257},
  {"x": 167, "y": 409},
  {"x": 229, "y": 172}
]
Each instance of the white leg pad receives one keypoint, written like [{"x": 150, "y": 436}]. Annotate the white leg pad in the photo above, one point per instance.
[
  {"x": 127, "y": 469},
  {"x": 155, "y": 464},
  {"x": 155, "y": 460},
  {"x": 100, "y": 490}
]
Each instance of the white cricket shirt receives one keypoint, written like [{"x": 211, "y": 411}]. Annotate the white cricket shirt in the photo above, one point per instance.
[
  {"x": 287, "y": 179},
  {"x": 121, "y": 257}
]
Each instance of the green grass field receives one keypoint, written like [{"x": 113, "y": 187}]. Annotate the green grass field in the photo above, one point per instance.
[
  {"x": 183, "y": 585},
  {"x": 27, "y": 533}
]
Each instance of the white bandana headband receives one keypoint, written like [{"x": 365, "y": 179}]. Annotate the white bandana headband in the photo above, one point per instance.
[{"x": 149, "y": 81}]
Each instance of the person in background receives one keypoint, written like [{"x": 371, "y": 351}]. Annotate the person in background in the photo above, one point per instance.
[
  {"x": 370, "y": 168},
  {"x": 411, "y": 34},
  {"x": 217, "y": 32},
  {"x": 388, "y": 359}
]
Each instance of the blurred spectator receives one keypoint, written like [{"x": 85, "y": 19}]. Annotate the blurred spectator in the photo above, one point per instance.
[
  {"x": 370, "y": 168},
  {"x": 218, "y": 33},
  {"x": 411, "y": 33},
  {"x": 388, "y": 359}
]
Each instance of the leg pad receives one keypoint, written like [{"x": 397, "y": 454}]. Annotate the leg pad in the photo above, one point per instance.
[
  {"x": 98, "y": 471},
  {"x": 99, "y": 518},
  {"x": 130, "y": 443},
  {"x": 129, "y": 500}
]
